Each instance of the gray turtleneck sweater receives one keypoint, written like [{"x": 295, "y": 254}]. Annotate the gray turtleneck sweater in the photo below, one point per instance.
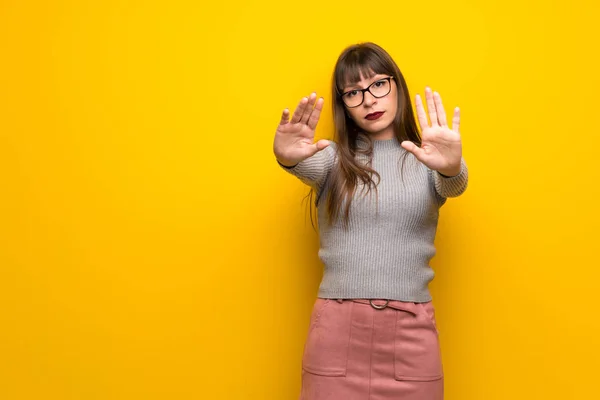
[{"x": 385, "y": 253}]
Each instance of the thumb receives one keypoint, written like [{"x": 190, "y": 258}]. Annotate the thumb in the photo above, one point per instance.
[
  {"x": 318, "y": 146},
  {"x": 414, "y": 149},
  {"x": 321, "y": 144}
]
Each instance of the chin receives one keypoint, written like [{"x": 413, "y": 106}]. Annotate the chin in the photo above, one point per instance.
[{"x": 378, "y": 126}]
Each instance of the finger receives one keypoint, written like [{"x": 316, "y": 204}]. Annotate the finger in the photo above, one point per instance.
[
  {"x": 431, "y": 107},
  {"x": 456, "y": 120},
  {"x": 441, "y": 113},
  {"x": 315, "y": 115},
  {"x": 321, "y": 144},
  {"x": 316, "y": 147},
  {"x": 309, "y": 108},
  {"x": 299, "y": 110},
  {"x": 285, "y": 117},
  {"x": 413, "y": 148},
  {"x": 422, "y": 117}
]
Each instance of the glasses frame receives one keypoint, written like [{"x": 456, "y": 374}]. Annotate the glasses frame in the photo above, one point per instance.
[{"x": 368, "y": 89}]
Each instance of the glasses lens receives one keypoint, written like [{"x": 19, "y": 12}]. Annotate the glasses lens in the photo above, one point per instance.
[
  {"x": 380, "y": 88},
  {"x": 353, "y": 98}
]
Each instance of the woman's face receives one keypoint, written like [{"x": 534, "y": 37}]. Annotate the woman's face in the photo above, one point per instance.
[{"x": 375, "y": 114}]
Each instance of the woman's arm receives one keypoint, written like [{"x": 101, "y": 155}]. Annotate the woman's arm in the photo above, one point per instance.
[
  {"x": 452, "y": 186},
  {"x": 314, "y": 170}
]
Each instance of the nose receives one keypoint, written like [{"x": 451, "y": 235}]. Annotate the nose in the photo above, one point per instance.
[{"x": 369, "y": 99}]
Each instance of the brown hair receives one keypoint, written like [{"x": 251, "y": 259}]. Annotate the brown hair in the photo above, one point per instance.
[{"x": 366, "y": 59}]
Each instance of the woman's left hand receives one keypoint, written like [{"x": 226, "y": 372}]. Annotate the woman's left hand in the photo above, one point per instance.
[{"x": 441, "y": 147}]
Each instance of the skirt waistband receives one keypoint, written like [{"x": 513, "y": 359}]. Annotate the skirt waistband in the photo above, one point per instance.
[{"x": 381, "y": 304}]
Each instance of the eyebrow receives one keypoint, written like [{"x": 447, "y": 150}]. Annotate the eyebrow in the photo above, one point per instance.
[{"x": 353, "y": 85}]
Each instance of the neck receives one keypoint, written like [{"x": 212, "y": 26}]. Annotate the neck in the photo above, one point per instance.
[
  {"x": 386, "y": 134},
  {"x": 379, "y": 145}
]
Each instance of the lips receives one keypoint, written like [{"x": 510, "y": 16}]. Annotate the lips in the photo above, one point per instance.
[{"x": 374, "y": 116}]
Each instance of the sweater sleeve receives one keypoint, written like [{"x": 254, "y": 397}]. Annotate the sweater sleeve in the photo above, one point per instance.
[
  {"x": 453, "y": 186},
  {"x": 314, "y": 170}
]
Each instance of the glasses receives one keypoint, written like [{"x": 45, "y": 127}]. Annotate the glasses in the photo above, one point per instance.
[{"x": 381, "y": 88}]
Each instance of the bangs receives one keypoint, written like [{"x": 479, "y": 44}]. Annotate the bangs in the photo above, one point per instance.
[{"x": 362, "y": 63}]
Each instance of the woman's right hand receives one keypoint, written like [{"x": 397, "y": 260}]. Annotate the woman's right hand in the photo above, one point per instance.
[{"x": 294, "y": 139}]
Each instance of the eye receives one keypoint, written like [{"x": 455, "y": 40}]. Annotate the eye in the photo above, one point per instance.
[
  {"x": 380, "y": 83},
  {"x": 351, "y": 93}
]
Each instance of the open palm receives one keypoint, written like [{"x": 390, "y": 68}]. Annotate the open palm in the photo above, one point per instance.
[
  {"x": 294, "y": 139},
  {"x": 441, "y": 147}
]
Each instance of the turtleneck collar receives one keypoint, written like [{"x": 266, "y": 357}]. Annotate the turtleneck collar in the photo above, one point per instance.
[{"x": 380, "y": 145}]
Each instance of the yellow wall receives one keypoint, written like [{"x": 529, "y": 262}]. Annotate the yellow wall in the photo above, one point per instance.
[{"x": 150, "y": 248}]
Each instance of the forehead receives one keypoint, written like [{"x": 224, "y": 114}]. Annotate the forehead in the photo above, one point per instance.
[{"x": 360, "y": 78}]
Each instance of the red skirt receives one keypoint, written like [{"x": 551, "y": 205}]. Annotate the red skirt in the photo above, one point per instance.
[{"x": 360, "y": 349}]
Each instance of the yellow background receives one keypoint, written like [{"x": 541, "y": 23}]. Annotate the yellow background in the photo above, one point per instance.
[{"x": 151, "y": 248}]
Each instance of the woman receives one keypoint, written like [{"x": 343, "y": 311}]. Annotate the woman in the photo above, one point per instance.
[{"x": 378, "y": 188}]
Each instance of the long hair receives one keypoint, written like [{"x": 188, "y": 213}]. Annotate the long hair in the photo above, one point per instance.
[{"x": 366, "y": 60}]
